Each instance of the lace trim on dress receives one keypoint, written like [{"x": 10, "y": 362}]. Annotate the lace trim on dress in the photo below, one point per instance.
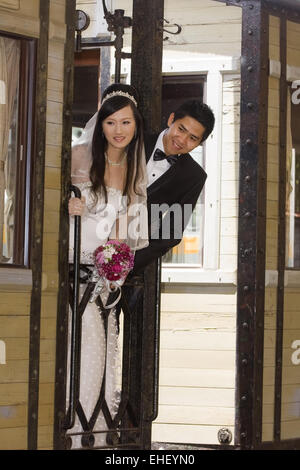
[{"x": 88, "y": 184}]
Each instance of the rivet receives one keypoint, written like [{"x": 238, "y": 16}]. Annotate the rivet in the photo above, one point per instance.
[
  {"x": 244, "y": 362},
  {"x": 250, "y": 68},
  {"x": 245, "y": 325},
  {"x": 251, "y": 7},
  {"x": 43, "y": 67},
  {"x": 247, "y": 179},
  {"x": 246, "y": 288},
  {"x": 250, "y": 32},
  {"x": 248, "y": 141},
  {"x": 247, "y": 214},
  {"x": 244, "y": 398}
]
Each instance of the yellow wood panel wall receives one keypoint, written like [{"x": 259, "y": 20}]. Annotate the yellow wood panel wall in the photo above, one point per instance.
[
  {"x": 15, "y": 307},
  {"x": 271, "y": 236},
  {"x": 19, "y": 17},
  {"x": 14, "y": 328}
]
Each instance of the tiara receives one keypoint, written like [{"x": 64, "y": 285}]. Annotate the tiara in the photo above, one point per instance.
[{"x": 119, "y": 93}]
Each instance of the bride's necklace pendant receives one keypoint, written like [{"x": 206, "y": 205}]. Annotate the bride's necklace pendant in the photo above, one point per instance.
[{"x": 110, "y": 162}]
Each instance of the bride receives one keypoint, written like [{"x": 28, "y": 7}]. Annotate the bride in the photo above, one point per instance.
[{"x": 109, "y": 168}]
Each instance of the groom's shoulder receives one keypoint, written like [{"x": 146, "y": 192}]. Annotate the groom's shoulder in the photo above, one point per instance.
[{"x": 192, "y": 169}]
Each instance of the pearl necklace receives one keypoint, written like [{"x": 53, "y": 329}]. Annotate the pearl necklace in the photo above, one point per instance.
[{"x": 114, "y": 163}]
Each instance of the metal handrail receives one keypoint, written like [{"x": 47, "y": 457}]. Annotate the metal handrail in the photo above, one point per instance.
[{"x": 76, "y": 324}]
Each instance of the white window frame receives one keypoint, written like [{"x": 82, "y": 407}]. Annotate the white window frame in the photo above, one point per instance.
[{"x": 214, "y": 68}]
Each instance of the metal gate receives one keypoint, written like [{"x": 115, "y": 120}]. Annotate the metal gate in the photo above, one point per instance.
[{"x": 130, "y": 426}]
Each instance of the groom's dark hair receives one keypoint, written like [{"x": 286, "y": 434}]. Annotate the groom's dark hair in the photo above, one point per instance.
[{"x": 199, "y": 111}]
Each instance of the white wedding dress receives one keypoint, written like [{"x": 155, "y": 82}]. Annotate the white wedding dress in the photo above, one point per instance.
[{"x": 97, "y": 223}]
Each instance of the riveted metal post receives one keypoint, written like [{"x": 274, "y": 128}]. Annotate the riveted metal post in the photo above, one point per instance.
[
  {"x": 147, "y": 40},
  {"x": 63, "y": 297},
  {"x": 252, "y": 223},
  {"x": 147, "y": 44},
  {"x": 37, "y": 226}
]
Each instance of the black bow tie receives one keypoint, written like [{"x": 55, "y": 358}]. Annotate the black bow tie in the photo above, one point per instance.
[{"x": 160, "y": 155}]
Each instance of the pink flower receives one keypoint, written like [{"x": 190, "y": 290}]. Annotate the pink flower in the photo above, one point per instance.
[{"x": 114, "y": 260}]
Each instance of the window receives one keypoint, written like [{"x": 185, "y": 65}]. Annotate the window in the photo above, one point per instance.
[
  {"x": 293, "y": 186},
  {"x": 16, "y": 105},
  {"x": 86, "y": 98},
  {"x": 177, "y": 89}
]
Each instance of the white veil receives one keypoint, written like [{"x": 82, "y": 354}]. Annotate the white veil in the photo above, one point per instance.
[{"x": 132, "y": 222}]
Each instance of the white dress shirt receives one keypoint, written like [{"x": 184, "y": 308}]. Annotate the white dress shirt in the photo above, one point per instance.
[{"x": 155, "y": 169}]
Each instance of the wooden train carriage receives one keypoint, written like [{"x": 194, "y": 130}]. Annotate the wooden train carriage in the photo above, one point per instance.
[
  {"x": 36, "y": 42},
  {"x": 258, "y": 356}
]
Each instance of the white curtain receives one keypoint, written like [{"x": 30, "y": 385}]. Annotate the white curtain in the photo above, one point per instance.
[{"x": 9, "y": 78}]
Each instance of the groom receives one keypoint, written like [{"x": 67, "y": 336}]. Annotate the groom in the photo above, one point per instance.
[{"x": 175, "y": 180}]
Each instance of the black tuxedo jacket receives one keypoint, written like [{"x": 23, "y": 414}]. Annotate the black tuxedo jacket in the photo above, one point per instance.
[{"x": 181, "y": 184}]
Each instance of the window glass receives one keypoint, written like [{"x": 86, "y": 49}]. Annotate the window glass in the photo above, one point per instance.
[
  {"x": 16, "y": 107},
  {"x": 9, "y": 105},
  {"x": 293, "y": 186},
  {"x": 190, "y": 249},
  {"x": 177, "y": 89}
]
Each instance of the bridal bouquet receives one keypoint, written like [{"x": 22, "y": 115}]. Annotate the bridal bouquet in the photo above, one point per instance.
[{"x": 113, "y": 261}]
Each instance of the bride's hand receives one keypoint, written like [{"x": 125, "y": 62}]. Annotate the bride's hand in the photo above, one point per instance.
[{"x": 76, "y": 206}]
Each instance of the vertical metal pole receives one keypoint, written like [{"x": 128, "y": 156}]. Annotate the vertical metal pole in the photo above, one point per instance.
[
  {"x": 147, "y": 45},
  {"x": 63, "y": 264},
  {"x": 252, "y": 224},
  {"x": 75, "y": 325},
  {"x": 37, "y": 228}
]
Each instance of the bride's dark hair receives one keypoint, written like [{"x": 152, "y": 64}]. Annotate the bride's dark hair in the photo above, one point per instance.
[{"x": 99, "y": 143}]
